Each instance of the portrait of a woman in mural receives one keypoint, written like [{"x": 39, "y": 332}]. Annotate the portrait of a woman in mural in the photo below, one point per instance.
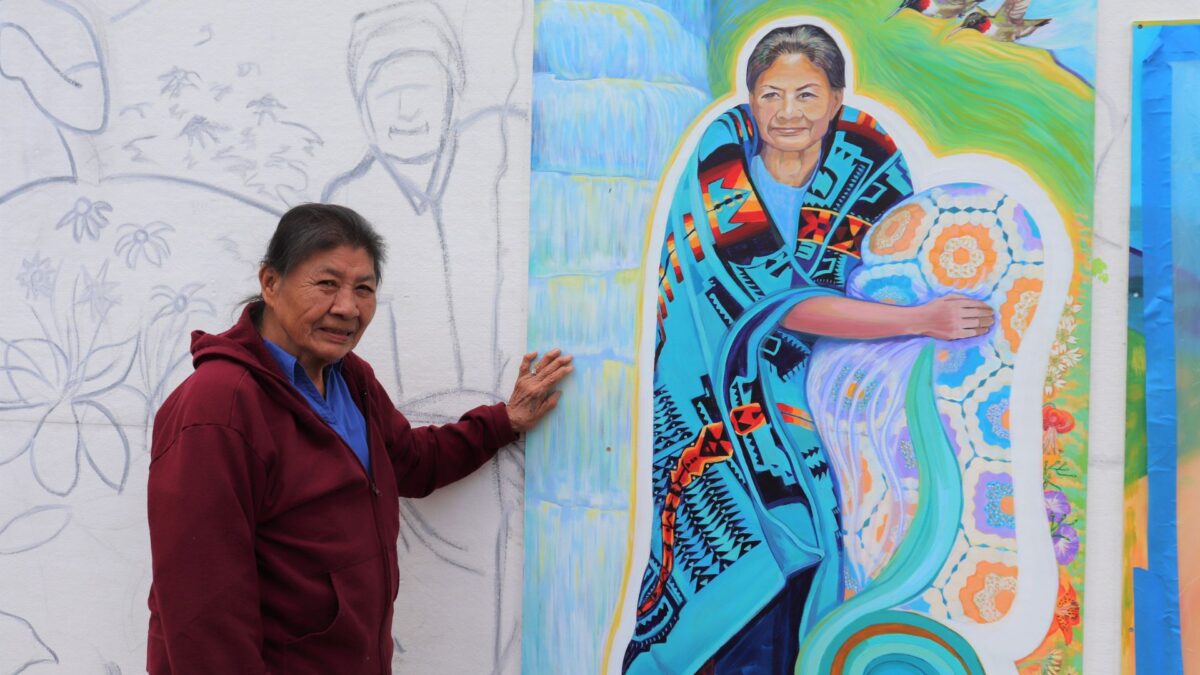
[{"x": 809, "y": 303}]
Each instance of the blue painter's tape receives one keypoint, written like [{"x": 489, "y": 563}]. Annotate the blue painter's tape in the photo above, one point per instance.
[{"x": 1156, "y": 590}]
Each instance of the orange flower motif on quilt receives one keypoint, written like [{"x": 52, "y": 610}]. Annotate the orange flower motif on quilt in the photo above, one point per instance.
[
  {"x": 963, "y": 255},
  {"x": 1017, "y": 311},
  {"x": 897, "y": 234},
  {"x": 989, "y": 592}
]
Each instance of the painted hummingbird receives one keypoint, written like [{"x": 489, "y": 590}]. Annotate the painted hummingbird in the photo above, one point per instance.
[
  {"x": 941, "y": 9},
  {"x": 1008, "y": 24}
]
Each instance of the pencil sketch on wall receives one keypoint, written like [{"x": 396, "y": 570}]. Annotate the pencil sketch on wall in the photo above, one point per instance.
[{"x": 150, "y": 152}]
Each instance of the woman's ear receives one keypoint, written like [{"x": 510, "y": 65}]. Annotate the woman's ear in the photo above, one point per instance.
[{"x": 268, "y": 282}]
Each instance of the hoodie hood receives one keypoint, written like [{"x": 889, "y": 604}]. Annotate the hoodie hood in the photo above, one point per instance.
[{"x": 243, "y": 345}]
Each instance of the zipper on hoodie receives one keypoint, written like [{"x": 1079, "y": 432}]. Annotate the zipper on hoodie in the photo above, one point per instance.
[
  {"x": 367, "y": 418},
  {"x": 384, "y": 636}
]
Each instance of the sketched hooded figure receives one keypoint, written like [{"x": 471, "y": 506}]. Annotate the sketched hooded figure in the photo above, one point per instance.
[{"x": 406, "y": 69}]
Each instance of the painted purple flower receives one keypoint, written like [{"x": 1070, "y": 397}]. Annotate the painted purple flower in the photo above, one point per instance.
[
  {"x": 1066, "y": 543},
  {"x": 1057, "y": 506}
]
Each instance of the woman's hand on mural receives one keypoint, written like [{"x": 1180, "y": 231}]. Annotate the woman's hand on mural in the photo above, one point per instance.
[
  {"x": 535, "y": 394},
  {"x": 955, "y": 317}
]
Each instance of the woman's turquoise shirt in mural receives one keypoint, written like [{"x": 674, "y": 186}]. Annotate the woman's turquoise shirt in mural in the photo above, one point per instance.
[{"x": 745, "y": 552}]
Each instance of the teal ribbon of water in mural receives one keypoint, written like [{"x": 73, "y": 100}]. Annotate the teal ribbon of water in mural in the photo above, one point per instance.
[{"x": 865, "y": 634}]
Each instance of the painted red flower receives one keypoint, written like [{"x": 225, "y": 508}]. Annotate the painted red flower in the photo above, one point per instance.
[
  {"x": 1066, "y": 611},
  {"x": 1060, "y": 420}
]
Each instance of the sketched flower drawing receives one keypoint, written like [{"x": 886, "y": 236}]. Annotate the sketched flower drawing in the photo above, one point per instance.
[
  {"x": 98, "y": 293},
  {"x": 199, "y": 130},
  {"x": 165, "y": 339},
  {"x": 144, "y": 241},
  {"x": 37, "y": 277},
  {"x": 68, "y": 382},
  {"x": 86, "y": 217},
  {"x": 180, "y": 303},
  {"x": 176, "y": 80}
]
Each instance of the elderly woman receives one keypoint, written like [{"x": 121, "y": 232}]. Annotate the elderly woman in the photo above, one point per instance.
[
  {"x": 763, "y": 231},
  {"x": 277, "y": 467}
]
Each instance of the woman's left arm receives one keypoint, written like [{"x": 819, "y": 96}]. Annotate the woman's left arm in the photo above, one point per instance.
[{"x": 952, "y": 317}]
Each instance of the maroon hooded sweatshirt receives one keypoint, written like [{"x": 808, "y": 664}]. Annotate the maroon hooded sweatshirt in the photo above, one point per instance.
[{"x": 273, "y": 549}]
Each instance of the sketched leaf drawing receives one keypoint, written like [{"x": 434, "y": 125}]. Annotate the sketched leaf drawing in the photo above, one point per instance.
[
  {"x": 103, "y": 442},
  {"x": 54, "y": 451},
  {"x": 34, "y": 369},
  {"x": 23, "y": 647},
  {"x": 29, "y": 530},
  {"x": 107, "y": 366}
]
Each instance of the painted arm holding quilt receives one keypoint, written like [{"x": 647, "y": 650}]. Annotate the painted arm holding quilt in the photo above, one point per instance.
[{"x": 950, "y": 317}]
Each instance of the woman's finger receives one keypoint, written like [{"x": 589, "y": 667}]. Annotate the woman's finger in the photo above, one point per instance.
[
  {"x": 549, "y": 403},
  {"x": 526, "y": 362},
  {"x": 556, "y": 365},
  {"x": 975, "y": 307},
  {"x": 558, "y": 373},
  {"x": 548, "y": 359}
]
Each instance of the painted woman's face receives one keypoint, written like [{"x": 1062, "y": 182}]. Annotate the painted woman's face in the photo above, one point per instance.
[{"x": 793, "y": 104}]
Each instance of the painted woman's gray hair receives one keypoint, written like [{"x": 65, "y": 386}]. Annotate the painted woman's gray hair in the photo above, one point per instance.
[{"x": 811, "y": 41}]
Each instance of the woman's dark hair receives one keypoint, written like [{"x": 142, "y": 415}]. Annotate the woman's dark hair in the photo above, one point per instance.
[
  {"x": 811, "y": 41},
  {"x": 308, "y": 229}
]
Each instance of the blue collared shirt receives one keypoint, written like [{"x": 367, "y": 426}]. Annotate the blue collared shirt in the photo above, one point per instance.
[
  {"x": 783, "y": 201},
  {"x": 337, "y": 408}
]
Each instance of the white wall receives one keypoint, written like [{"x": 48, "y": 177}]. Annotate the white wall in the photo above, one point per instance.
[{"x": 148, "y": 148}]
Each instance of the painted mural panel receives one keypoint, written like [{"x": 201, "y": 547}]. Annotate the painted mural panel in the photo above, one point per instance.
[
  {"x": 832, "y": 410},
  {"x": 1161, "y": 612}
]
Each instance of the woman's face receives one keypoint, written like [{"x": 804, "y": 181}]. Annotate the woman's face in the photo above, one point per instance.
[
  {"x": 793, "y": 104},
  {"x": 320, "y": 309}
]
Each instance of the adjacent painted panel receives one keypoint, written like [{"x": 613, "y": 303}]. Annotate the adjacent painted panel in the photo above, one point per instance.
[
  {"x": 1161, "y": 612},
  {"x": 727, "y": 492}
]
